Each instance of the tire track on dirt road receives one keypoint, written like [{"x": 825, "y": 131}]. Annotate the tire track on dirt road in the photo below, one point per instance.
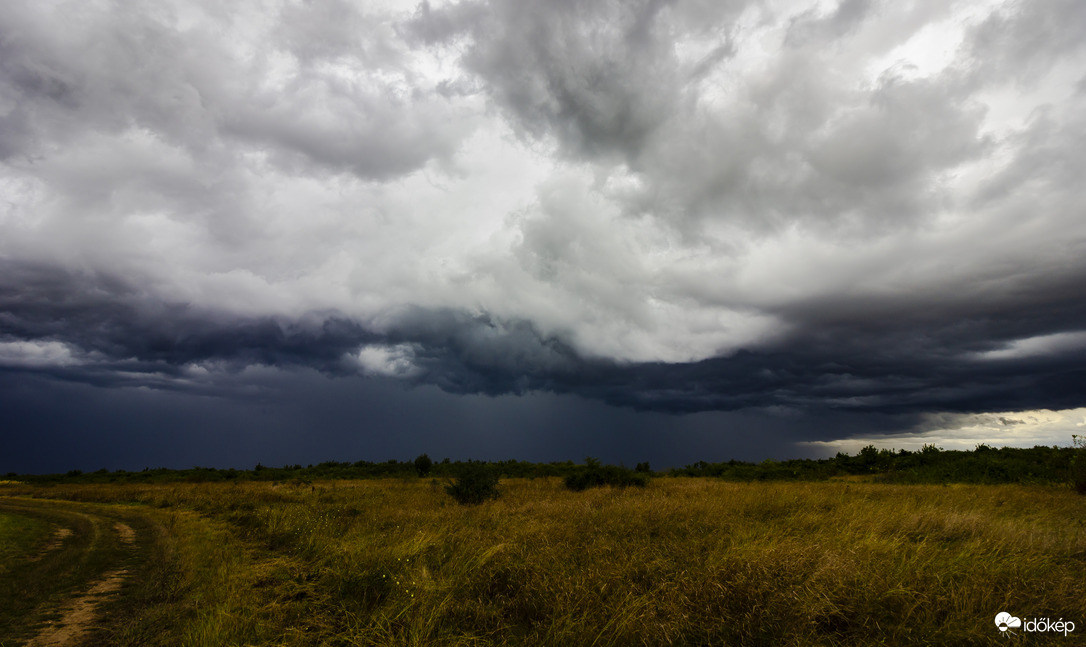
[
  {"x": 55, "y": 542},
  {"x": 55, "y": 595},
  {"x": 79, "y": 614}
]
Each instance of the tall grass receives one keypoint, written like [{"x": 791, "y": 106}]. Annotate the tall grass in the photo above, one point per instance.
[{"x": 681, "y": 561}]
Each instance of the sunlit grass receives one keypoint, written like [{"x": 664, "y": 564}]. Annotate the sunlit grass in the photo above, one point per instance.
[{"x": 683, "y": 561}]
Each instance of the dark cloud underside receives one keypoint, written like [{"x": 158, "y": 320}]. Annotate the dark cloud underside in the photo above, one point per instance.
[{"x": 871, "y": 207}]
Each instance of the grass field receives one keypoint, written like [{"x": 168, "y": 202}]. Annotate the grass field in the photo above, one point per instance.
[
  {"x": 684, "y": 561},
  {"x": 19, "y": 536}
]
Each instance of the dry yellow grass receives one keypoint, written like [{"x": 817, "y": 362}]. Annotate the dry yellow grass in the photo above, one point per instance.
[{"x": 683, "y": 561}]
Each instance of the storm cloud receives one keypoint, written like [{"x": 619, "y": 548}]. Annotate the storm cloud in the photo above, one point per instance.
[{"x": 663, "y": 206}]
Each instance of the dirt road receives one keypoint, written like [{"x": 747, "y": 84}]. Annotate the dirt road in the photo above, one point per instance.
[{"x": 54, "y": 596}]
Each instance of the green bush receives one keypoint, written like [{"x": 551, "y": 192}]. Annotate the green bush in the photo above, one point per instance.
[
  {"x": 476, "y": 483},
  {"x": 593, "y": 474}
]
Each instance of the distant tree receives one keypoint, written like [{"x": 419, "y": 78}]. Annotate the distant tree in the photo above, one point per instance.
[
  {"x": 643, "y": 467},
  {"x": 595, "y": 474},
  {"x": 423, "y": 464},
  {"x": 1078, "y": 463},
  {"x": 868, "y": 456}
]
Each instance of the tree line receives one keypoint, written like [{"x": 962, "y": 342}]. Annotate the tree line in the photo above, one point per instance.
[{"x": 982, "y": 465}]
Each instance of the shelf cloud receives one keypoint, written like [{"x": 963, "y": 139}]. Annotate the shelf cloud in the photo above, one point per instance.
[{"x": 676, "y": 207}]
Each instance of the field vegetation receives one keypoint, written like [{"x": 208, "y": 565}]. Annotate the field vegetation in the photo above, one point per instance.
[
  {"x": 41, "y": 567},
  {"x": 982, "y": 465},
  {"x": 19, "y": 536},
  {"x": 682, "y": 561}
]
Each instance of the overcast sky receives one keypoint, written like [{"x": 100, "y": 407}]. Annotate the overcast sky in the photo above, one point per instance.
[{"x": 640, "y": 230}]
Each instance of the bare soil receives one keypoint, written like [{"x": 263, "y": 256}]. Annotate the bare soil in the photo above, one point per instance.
[
  {"x": 79, "y": 613},
  {"x": 56, "y": 542}
]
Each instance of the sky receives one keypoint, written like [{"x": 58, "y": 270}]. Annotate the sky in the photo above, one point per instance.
[{"x": 291, "y": 232}]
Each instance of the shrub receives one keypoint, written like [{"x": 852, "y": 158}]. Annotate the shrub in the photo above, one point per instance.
[
  {"x": 423, "y": 465},
  {"x": 476, "y": 483},
  {"x": 593, "y": 474}
]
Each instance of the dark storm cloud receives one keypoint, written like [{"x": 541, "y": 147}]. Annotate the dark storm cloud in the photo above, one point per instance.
[
  {"x": 702, "y": 206},
  {"x": 106, "y": 316},
  {"x": 353, "y": 419},
  {"x": 894, "y": 361}
]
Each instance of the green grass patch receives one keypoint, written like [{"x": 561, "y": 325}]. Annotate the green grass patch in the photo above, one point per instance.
[{"x": 20, "y": 538}]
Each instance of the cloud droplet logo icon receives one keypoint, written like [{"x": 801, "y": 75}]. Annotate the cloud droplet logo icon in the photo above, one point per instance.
[{"x": 1006, "y": 621}]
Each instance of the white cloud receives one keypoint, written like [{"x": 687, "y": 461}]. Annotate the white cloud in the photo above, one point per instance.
[
  {"x": 967, "y": 430},
  {"x": 392, "y": 361},
  {"x": 37, "y": 354},
  {"x": 1037, "y": 346}
]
